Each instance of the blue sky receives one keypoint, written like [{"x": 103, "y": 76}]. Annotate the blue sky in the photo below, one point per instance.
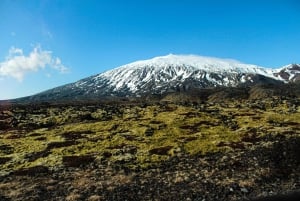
[{"x": 47, "y": 43}]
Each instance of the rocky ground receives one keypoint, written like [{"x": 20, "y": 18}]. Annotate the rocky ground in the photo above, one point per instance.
[{"x": 233, "y": 150}]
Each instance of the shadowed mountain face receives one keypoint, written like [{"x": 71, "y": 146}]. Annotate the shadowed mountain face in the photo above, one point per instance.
[{"x": 167, "y": 74}]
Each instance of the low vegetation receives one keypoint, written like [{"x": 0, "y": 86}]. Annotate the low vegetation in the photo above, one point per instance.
[{"x": 132, "y": 137}]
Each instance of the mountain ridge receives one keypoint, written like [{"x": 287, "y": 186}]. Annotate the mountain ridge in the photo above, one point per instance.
[{"x": 171, "y": 73}]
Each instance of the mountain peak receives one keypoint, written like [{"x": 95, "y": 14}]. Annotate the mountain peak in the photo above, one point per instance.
[
  {"x": 171, "y": 73},
  {"x": 185, "y": 60},
  {"x": 182, "y": 66},
  {"x": 174, "y": 70},
  {"x": 289, "y": 72}
]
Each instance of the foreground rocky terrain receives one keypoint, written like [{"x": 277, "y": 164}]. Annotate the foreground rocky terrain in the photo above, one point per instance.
[{"x": 155, "y": 150}]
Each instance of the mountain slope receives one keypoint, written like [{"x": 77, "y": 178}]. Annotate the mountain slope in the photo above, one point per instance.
[
  {"x": 169, "y": 74},
  {"x": 289, "y": 73}
]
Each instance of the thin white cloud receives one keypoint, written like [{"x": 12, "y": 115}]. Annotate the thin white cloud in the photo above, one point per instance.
[
  {"x": 14, "y": 51},
  {"x": 49, "y": 34},
  {"x": 59, "y": 66},
  {"x": 46, "y": 33},
  {"x": 17, "y": 65}
]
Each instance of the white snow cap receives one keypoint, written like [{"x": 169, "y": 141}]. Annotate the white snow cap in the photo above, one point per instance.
[
  {"x": 208, "y": 64},
  {"x": 176, "y": 67}
]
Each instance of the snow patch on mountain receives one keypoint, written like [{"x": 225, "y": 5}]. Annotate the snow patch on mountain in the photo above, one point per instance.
[
  {"x": 289, "y": 73},
  {"x": 179, "y": 67},
  {"x": 173, "y": 73},
  {"x": 208, "y": 64}
]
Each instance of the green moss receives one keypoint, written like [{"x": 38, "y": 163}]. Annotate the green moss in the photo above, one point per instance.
[
  {"x": 187, "y": 129},
  {"x": 209, "y": 139}
]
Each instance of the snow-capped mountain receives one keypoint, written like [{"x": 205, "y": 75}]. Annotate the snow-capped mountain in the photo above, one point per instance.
[
  {"x": 289, "y": 73},
  {"x": 170, "y": 68},
  {"x": 172, "y": 73}
]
